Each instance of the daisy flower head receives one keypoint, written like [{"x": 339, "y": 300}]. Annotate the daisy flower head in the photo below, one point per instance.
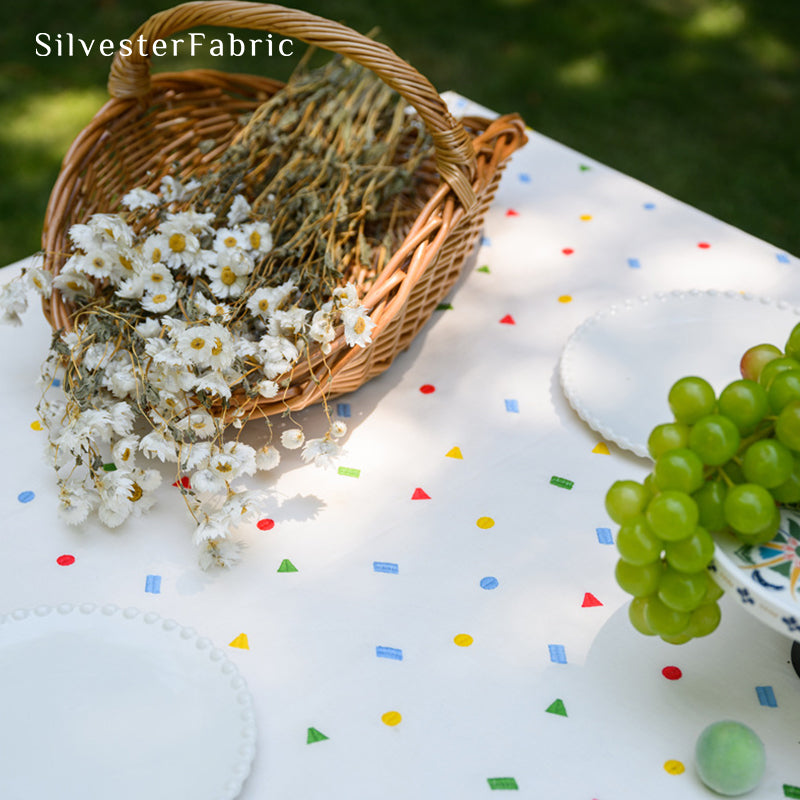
[
  {"x": 268, "y": 299},
  {"x": 345, "y": 296},
  {"x": 199, "y": 422},
  {"x": 211, "y": 308},
  {"x": 183, "y": 246},
  {"x": 288, "y": 321},
  {"x": 268, "y": 457},
  {"x": 338, "y": 429},
  {"x": 154, "y": 248},
  {"x": 357, "y": 326},
  {"x": 159, "y": 301},
  {"x": 323, "y": 452},
  {"x": 172, "y": 190},
  {"x": 206, "y": 345},
  {"x": 40, "y": 280},
  {"x": 258, "y": 237},
  {"x": 195, "y": 221},
  {"x": 140, "y": 198},
  {"x": 73, "y": 284},
  {"x": 107, "y": 228},
  {"x": 156, "y": 277},
  {"x": 230, "y": 276},
  {"x": 98, "y": 262},
  {"x": 292, "y": 439},
  {"x": 229, "y": 239}
]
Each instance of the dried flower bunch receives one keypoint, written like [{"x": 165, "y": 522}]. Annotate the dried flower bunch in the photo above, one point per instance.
[{"x": 208, "y": 292}]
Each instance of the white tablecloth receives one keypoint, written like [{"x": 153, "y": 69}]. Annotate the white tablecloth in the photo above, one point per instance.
[{"x": 442, "y": 574}]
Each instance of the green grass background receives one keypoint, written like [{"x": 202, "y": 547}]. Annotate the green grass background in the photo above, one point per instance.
[{"x": 698, "y": 98}]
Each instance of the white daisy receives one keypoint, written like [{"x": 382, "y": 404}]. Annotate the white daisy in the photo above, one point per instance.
[
  {"x": 292, "y": 439},
  {"x": 268, "y": 457},
  {"x": 357, "y": 326},
  {"x": 264, "y": 301},
  {"x": 258, "y": 237},
  {"x": 140, "y": 198},
  {"x": 213, "y": 383},
  {"x": 40, "y": 280},
  {"x": 160, "y": 301},
  {"x": 230, "y": 276},
  {"x": 322, "y": 452},
  {"x": 227, "y": 239}
]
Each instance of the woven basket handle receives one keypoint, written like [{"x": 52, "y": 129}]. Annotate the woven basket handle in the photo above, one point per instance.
[{"x": 455, "y": 155}]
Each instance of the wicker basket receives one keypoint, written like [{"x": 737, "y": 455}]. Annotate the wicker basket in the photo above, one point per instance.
[{"x": 153, "y": 122}]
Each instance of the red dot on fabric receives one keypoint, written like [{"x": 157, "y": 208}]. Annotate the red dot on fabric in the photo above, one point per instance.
[
  {"x": 65, "y": 560},
  {"x": 672, "y": 673},
  {"x": 427, "y": 388},
  {"x": 567, "y": 251},
  {"x": 265, "y": 524},
  {"x": 704, "y": 245}
]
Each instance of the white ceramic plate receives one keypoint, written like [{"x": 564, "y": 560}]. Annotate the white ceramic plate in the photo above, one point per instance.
[
  {"x": 618, "y": 366},
  {"x": 99, "y": 702},
  {"x": 766, "y": 578}
]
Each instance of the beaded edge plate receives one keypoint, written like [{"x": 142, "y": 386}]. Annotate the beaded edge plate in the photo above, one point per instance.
[
  {"x": 617, "y": 367},
  {"x": 119, "y": 703}
]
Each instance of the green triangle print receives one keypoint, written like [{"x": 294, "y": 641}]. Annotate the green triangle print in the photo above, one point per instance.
[
  {"x": 287, "y": 566},
  {"x": 557, "y": 707},
  {"x": 315, "y": 736}
]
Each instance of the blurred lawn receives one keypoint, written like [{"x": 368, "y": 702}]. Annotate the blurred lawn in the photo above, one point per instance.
[{"x": 698, "y": 98}]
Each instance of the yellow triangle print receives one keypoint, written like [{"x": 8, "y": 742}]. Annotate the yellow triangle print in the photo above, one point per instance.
[
  {"x": 601, "y": 448},
  {"x": 241, "y": 642},
  {"x": 455, "y": 452}
]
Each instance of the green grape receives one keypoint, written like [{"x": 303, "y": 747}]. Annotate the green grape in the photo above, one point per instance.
[
  {"x": 663, "y": 620},
  {"x": 682, "y": 591},
  {"x": 704, "y": 620},
  {"x": 650, "y": 484},
  {"x": 626, "y": 500},
  {"x": 749, "y": 508},
  {"x": 681, "y": 638},
  {"x": 691, "y": 398},
  {"x": 710, "y": 499},
  {"x": 785, "y": 388},
  {"x": 775, "y": 366},
  {"x": 787, "y": 426},
  {"x": 636, "y": 609},
  {"x": 754, "y": 360},
  {"x": 745, "y": 403},
  {"x": 789, "y": 491},
  {"x": 691, "y": 554},
  {"x": 715, "y": 439},
  {"x": 668, "y": 436},
  {"x": 765, "y": 534},
  {"x": 792, "y": 347},
  {"x": 679, "y": 469},
  {"x": 713, "y": 590},
  {"x": 768, "y": 463},
  {"x": 636, "y": 543},
  {"x": 672, "y": 515},
  {"x": 638, "y": 580}
]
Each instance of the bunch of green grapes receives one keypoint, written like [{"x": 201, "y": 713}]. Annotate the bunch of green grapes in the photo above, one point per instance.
[{"x": 723, "y": 464}]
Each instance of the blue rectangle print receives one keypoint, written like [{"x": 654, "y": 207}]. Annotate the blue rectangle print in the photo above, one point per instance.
[
  {"x": 604, "y": 536},
  {"x": 512, "y": 406},
  {"x": 343, "y": 409},
  {"x": 386, "y": 566},
  {"x": 152, "y": 584},
  {"x": 557, "y": 653},
  {"x": 389, "y": 652},
  {"x": 766, "y": 696}
]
